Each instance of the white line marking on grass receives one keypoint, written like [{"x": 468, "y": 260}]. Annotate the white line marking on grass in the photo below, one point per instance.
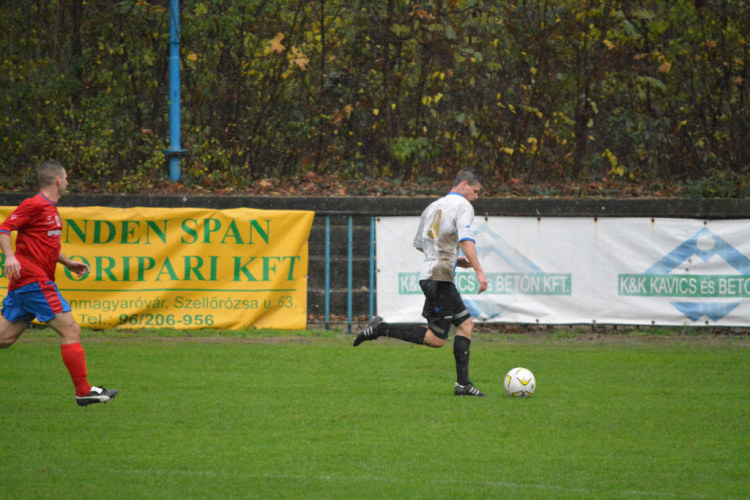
[{"x": 298, "y": 477}]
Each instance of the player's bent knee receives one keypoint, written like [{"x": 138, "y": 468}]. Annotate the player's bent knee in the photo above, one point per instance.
[
  {"x": 72, "y": 334},
  {"x": 9, "y": 333},
  {"x": 466, "y": 328},
  {"x": 66, "y": 327},
  {"x": 431, "y": 340},
  {"x": 8, "y": 341}
]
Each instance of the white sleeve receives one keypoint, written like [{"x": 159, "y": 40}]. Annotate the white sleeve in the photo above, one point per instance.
[
  {"x": 418, "y": 239},
  {"x": 464, "y": 218}
]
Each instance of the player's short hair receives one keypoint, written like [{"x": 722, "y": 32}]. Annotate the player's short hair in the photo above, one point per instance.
[
  {"x": 468, "y": 174},
  {"x": 48, "y": 171}
]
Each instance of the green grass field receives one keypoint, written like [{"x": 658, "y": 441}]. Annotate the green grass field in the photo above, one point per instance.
[{"x": 305, "y": 415}]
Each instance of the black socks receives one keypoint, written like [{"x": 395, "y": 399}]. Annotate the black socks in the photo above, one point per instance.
[
  {"x": 416, "y": 333},
  {"x": 403, "y": 331},
  {"x": 461, "y": 351}
]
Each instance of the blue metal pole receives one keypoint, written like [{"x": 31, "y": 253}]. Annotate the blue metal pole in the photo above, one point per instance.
[
  {"x": 328, "y": 269},
  {"x": 175, "y": 148},
  {"x": 349, "y": 284}
]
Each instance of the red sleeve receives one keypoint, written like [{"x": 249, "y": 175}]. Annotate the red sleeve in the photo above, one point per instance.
[{"x": 18, "y": 219}]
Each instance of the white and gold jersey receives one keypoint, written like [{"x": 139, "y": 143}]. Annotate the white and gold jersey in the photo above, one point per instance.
[{"x": 444, "y": 224}]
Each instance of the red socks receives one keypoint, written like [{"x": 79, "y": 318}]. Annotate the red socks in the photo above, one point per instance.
[{"x": 75, "y": 361}]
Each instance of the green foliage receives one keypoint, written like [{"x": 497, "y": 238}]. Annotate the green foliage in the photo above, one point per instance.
[
  {"x": 720, "y": 184},
  {"x": 538, "y": 91},
  {"x": 80, "y": 84}
]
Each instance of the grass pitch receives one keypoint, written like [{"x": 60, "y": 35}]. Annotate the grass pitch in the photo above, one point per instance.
[{"x": 305, "y": 415}]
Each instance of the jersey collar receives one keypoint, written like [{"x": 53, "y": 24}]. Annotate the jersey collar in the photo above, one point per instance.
[
  {"x": 458, "y": 194},
  {"x": 52, "y": 202}
]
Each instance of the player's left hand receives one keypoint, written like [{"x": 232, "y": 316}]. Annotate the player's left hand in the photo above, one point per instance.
[
  {"x": 80, "y": 268},
  {"x": 483, "y": 284}
]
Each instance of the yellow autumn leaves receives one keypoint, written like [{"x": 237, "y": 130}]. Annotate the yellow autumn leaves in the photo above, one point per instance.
[{"x": 295, "y": 55}]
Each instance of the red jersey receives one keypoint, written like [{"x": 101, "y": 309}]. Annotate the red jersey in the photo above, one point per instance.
[{"x": 39, "y": 227}]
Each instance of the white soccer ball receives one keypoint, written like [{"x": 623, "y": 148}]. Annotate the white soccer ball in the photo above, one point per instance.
[{"x": 519, "y": 383}]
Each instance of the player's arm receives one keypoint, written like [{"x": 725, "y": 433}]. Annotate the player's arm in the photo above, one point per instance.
[
  {"x": 12, "y": 266},
  {"x": 80, "y": 268},
  {"x": 16, "y": 221},
  {"x": 470, "y": 251}
]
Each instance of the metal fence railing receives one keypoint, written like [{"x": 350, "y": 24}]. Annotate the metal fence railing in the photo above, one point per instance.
[{"x": 350, "y": 267}]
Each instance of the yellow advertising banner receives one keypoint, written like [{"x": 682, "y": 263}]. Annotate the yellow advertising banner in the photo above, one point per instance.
[{"x": 184, "y": 268}]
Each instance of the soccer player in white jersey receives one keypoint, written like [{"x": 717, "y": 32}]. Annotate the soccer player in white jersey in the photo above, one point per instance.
[{"x": 445, "y": 227}]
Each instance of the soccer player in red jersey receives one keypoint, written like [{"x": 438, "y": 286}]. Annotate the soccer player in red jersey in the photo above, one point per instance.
[{"x": 31, "y": 270}]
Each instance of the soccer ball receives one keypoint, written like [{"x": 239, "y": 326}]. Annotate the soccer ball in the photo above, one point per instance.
[{"x": 520, "y": 383}]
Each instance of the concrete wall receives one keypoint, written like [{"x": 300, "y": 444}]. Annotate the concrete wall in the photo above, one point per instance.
[
  {"x": 543, "y": 207},
  {"x": 362, "y": 208}
]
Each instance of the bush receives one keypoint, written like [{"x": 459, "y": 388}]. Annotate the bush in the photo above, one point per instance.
[{"x": 541, "y": 91}]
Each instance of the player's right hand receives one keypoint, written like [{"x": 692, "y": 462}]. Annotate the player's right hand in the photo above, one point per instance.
[{"x": 12, "y": 267}]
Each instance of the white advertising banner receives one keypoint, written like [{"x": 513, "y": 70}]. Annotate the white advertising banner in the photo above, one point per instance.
[{"x": 634, "y": 271}]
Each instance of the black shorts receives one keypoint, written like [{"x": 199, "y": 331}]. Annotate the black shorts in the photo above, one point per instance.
[{"x": 443, "y": 307}]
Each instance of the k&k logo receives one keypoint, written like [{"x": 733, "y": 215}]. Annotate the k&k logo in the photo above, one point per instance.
[{"x": 692, "y": 273}]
